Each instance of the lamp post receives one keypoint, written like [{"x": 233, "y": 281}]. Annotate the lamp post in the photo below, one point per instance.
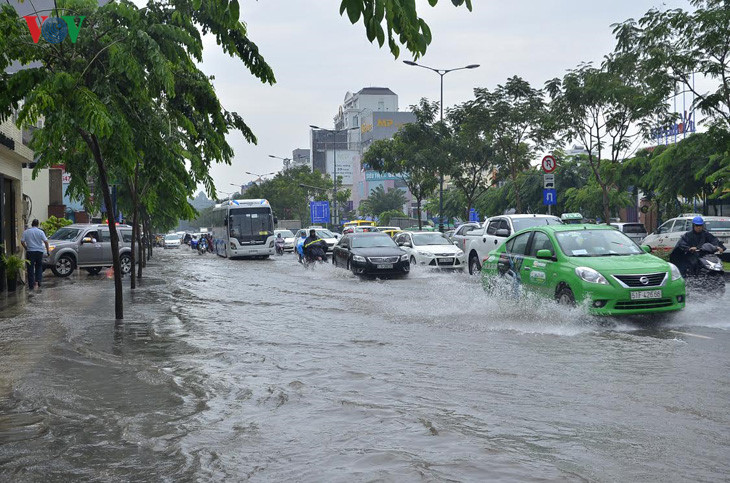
[
  {"x": 335, "y": 132},
  {"x": 441, "y": 73},
  {"x": 259, "y": 176},
  {"x": 287, "y": 161}
]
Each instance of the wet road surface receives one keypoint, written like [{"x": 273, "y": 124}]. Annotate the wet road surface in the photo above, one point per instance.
[{"x": 236, "y": 370}]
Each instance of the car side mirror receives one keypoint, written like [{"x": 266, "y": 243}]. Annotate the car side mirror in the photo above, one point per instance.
[
  {"x": 503, "y": 232},
  {"x": 544, "y": 254},
  {"x": 646, "y": 248},
  {"x": 87, "y": 239},
  {"x": 276, "y": 220}
]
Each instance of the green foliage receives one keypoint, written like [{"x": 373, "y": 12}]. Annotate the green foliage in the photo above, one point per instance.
[
  {"x": 13, "y": 265},
  {"x": 385, "y": 217},
  {"x": 415, "y": 153},
  {"x": 403, "y": 26},
  {"x": 670, "y": 44},
  {"x": 380, "y": 201},
  {"x": 517, "y": 119},
  {"x": 52, "y": 224}
]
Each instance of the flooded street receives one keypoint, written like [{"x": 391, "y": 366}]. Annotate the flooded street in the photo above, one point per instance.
[{"x": 261, "y": 370}]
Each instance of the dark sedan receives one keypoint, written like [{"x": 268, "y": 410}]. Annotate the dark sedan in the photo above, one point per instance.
[{"x": 370, "y": 254}]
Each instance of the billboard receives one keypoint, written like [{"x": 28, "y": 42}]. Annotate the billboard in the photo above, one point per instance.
[{"x": 346, "y": 160}]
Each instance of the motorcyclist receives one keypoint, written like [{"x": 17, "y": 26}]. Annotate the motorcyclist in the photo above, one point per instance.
[
  {"x": 314, "y": 247},
  {"x": 300, "y": 246},
  {"x": 684, "y": 254},
  {"x": 279, "y": 242},
  {"x": 202, "y": 244}
]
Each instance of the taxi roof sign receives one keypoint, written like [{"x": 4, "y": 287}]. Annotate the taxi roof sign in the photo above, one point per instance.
[{"x": 571, "y": 217}]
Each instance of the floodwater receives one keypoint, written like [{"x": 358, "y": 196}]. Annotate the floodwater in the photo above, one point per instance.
[{"x": 260, "y": 370}]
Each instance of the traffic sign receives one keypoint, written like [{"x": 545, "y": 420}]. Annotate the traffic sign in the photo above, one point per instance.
[
  {"x": 548, "y": 181},
  {"x": 473, "y": 215},
  {"x": 549, "y": 164},
  {"x": 319, "y": 211},
  {"x": 549, "y": 197}
]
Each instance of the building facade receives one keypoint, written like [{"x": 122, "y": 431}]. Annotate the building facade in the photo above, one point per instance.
[{"x": 13, "y": 154}]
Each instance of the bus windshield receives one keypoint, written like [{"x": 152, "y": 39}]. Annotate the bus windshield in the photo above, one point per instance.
[{"x": 248, "y": 223}]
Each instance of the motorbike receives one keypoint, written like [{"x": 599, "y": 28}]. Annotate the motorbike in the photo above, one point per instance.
[
  {"x": 704, "y": 271},
  {"x": 279, "y": 247},
  {"x": 202, "y": 247},
  {"x": 315, "y": 254}
]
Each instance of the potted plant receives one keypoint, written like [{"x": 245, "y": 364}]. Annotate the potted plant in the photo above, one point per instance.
[{"x": 13, "y": 264}]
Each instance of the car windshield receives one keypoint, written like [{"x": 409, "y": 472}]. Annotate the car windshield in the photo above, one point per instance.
[
  {"x": 172, "y": 237},
  {"x": 718, "y": 225},
  {"x": 325, "y": 234},
  {"x": 522, "y": 223},
  {"x": 596, "y": 243},
  {"x": 373, "y": 241},
  {"x": 421, "y": 239},
  {"x": 65, "y": 234},
  {"x": 286, "y": 233}
]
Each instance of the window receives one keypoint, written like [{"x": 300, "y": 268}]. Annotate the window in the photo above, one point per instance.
[
  {"x": 126, "y": 236},
  {"x": 541, "y": 242},
  {"x": 94, "y": 234},
  {"x": 381, "y": 106},
  {"x": 680, "y": 225},
  {"x": 493, "y": 227},
  {"x": 518, "y": 245},
  {"x": 665, "y": 227},
  {"x": 504, "y": 225}
]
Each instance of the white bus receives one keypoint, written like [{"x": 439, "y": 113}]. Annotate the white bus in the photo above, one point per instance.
[{"x": 243, "y": 228}]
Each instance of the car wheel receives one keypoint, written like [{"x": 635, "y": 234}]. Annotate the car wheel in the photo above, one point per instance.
[
  {"x": 474, "y": 266},
  {"x": 65, "y": 266},
  {"x": 565, "y": 297},
  {"x": 93, "y": 270},
  {"x": 125, "y": 262}
]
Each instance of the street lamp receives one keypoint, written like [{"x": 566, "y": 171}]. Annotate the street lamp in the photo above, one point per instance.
[
  {"x": 441, "y": 73},
  {"x": 259, "y": 176},
  {"x": 335, "y": 132},
  {"x": 287, "y": 160}
]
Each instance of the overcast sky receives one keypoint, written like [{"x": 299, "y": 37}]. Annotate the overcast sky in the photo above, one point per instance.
[{"x": 317, "y": 56}]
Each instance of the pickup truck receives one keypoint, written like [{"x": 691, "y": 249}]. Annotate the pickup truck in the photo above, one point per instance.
[{"x": 477, "y": 244}]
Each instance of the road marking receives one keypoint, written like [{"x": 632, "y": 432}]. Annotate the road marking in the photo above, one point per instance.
[{"x": 691, "y": 335}]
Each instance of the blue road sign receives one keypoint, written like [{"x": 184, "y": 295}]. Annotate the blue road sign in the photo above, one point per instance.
[
  {"x": 549, "y": 197},
  {"x": 319, "y": 211},
  {"x": 474, "y": 215}
]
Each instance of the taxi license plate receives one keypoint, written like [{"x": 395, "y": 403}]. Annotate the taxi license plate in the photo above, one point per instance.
[
  {"x": 445, "y": 260},
  {"x": 384, "y": 266},
  {"x": 647, "y": 294}
]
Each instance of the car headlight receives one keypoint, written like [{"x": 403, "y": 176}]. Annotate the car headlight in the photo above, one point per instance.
[
  {"x": 459, "y": 254},
  {"x": 424, "y": 254},
  {"x": 403, "y": 258},
  {"x": 676, "y": 275},
  {"x": 591, "y": 276},
  {"x": 358, "y": 258}
]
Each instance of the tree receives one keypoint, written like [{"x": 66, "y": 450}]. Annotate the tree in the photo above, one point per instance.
[
  {"x": 671, "y": 45},
  {"x": 414, "y": 154},
  {"x": 517, "y": 117},
  {"x": 471, "y": 154},
  {"x": 402, "y": 23},
  {"x": 129, "y": 63},
  {"x": 606, "y": 109},
  {"x": 381, "y": 200}
]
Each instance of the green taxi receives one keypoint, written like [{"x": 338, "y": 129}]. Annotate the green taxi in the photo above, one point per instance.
[{"x": 587, "y": 264}]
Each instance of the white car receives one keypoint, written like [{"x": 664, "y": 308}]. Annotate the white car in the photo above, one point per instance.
[
  {"x": 431, "y": 249},
  {"x": 172, "y": 241},
  {"x": 288, "y": 237},
  {"x": 665, "y": 238}
]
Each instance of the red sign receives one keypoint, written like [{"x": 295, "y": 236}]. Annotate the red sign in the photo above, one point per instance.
[{"x": 549, "y": 164}]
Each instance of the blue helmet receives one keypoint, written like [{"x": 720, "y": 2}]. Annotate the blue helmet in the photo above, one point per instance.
[{"x": 697, "y": 220}]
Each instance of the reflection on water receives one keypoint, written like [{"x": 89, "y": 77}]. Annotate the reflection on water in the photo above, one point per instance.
[{"x": 229, "y": 370}]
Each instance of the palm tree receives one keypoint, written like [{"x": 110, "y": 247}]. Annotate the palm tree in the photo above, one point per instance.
[{"x": 380, "y": 201}]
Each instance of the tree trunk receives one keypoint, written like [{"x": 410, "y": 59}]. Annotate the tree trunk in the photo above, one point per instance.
[
  {"x": 418, "y": 213},
  {"x": 141, "y": 255},
  {"x": 149, "y": 238},
  {"x": 518, "y": 201},
  {"x": 606, "y": 204},
  {"x": 93, "y": 144},
  {"x": 132, "y": 281}
]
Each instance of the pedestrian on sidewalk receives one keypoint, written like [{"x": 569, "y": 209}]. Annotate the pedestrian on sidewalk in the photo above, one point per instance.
[{"x": 33, "y": 240}]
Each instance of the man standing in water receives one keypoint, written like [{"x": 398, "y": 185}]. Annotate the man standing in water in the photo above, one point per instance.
[{"x": 33, "y": 240}]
